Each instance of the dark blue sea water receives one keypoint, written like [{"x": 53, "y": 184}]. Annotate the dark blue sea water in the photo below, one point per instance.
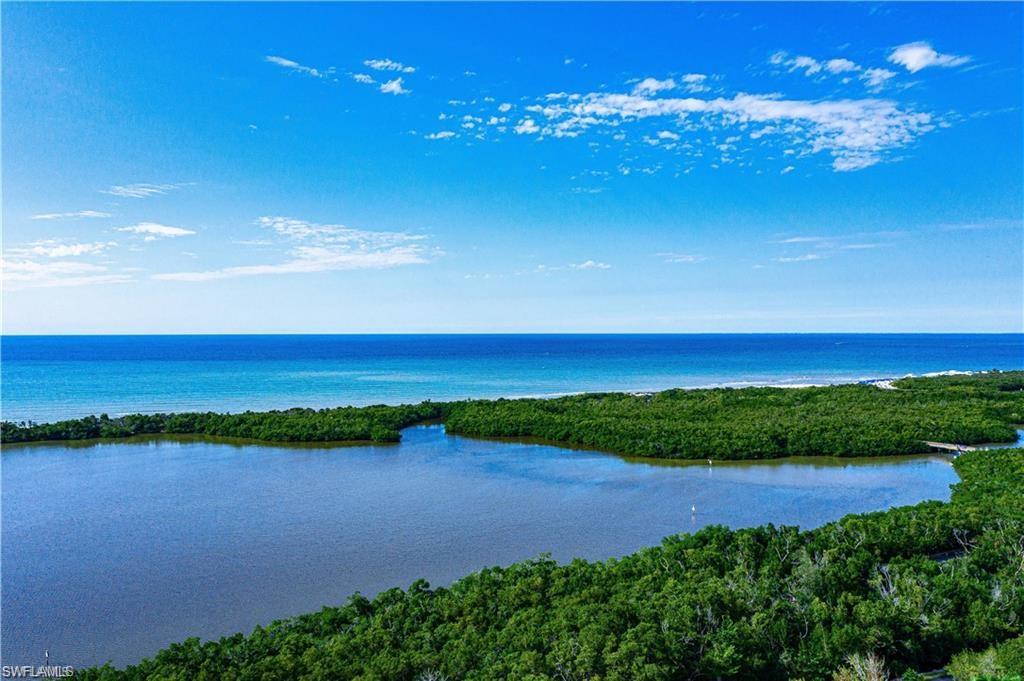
[{"x": 51, "y": 377}]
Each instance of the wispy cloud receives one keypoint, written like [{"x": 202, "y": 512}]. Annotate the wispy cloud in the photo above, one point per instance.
[
  {"x": 832, "y": 244},
  {"x": 687, "y": 258},
  {"x": 856, "y": 133},
  {"x": 801, "y": 258},
  {"x": 152, "y": 231},
  {"x": 22, "y": 274},
  {"x": 803, "y": 239},
  {"x": 440, "y": 135},
  {"x": 920, "y": 55},
  {"x": 650, "y": 86},
  {"x": 300, "y": 68},
  {"x": 72, "y": 215},
  {"x": 321, "y": 248},
  {"x": 57, "y": 248},
  {"x": 573, "y": 266},
  {"x": 983, "y": 225},
  {"x": 389, "y": 65},
  {"x": 590, "y": 265},
  {"x": 695, "y": 82},
  {"x": 874, "y": 78},
  {"x": 140, "y": 190}
]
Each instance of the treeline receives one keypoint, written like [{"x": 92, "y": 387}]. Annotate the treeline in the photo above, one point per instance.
[
  {"x": 757, "y": 423},
  {"x": 1004, "y": 662},
  {"x": 908, "y": 588},
  {"x": 746, "y": 423},
  {"x": 376, "y": 423}
]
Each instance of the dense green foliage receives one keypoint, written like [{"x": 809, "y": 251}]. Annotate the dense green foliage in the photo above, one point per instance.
[
  {"x": 748, "y": 423},
  {"x": 757, "y": 423},
  {"x": 377, "y": 423},
  {"x": 910, "y": 587},
  {"x": 1004, "y": 661}
]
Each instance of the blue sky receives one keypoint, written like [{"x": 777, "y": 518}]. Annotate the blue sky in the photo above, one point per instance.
[{"x": 506, "y": 168}]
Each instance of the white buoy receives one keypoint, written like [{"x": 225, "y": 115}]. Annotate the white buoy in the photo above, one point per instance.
[{"x": 693, "y": 509}]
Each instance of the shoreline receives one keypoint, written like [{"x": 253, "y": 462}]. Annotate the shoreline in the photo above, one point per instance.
[
  {"x": 845, "y": 420},
  {"x": 880, "y": 382}
]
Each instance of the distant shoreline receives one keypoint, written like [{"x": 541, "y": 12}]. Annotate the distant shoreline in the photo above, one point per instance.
[{"x": 743, "y": 423}]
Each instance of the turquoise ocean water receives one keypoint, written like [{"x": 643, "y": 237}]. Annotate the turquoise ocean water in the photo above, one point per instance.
[{"x": 51, "y": 377}]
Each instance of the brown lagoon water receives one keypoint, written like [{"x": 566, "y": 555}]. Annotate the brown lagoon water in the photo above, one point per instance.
[{"x": 113, "y": 551}]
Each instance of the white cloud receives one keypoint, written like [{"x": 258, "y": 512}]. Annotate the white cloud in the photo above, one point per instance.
[
  {"x": 323, "y": 248},
  {"x": 803, "y": 240},
  {"x": 801, "y": 258},
  {"x": 687, "y": 258},
  {"x": 841, "y": 66},
  {"x": 919, "y": 55},
  {"x": 667, "y": 135},
  {"x": 809, "y": 65},
  {"x": 441, "y": 135},
  {"x": 152, "y": 231},
  {"x": 873, "y": 78},
  {"x": 787, "y": 170},
  {"x": 72, "y": 215},
  {"x": 876, "y": 78},
  {"x": 504, "y": 107},
  {"x": 363, "y": 78},
  {"x": 590, "y": 265},
  {"x": 22, "y": 274},
  {"x": 296, "y": 66},
  {"x": 388, "y": 65},
  {"x": 140, "y": 190},
  {"x": 650, "y": 86},
  {"x": 856, "y": 133},
  {"x": 527, "y": 127},
  {"x": 695, "y": 82},
  {"x": 56, "y": 248},
  {"x": 394, "y": 87}
]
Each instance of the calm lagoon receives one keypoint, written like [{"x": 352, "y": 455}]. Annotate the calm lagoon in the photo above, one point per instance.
[{"x": 111, "y": 551}]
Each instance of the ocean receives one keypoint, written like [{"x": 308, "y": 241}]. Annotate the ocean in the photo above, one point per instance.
[{"x": 53, "y": 377}]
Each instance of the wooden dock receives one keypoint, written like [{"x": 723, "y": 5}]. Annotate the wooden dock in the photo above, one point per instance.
[{"x": 948, "y": 447}]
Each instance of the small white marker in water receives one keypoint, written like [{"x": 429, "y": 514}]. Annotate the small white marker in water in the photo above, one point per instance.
[
  {"x": 709, "y": 462},
  {"x": 693, "y": 509}
]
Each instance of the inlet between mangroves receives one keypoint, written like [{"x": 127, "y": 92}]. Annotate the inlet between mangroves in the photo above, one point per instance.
[{"x": 114, "y": 550}]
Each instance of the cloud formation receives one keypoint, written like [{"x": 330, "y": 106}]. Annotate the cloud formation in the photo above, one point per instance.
[
  {"x": 394, "y": 87},
  {"x": 856, "y": 133},
  {"x": 140, "y": 190},
  {"x": 687, "y": 258},
  {"x": 873, "y": 78},
  {"x": 323, "y": 248},
  {"x": 56, "y": 248},
  {"x": 300, "y": 68},
  {"x": 72, "y": 215},
  {"x": 152, "y": 231},
  {"x": 22, "y": 274},
  {"x": 920, "y": 55},
  {"x": 590, "y": 265},
  {"x": 389, "y": 65}
]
